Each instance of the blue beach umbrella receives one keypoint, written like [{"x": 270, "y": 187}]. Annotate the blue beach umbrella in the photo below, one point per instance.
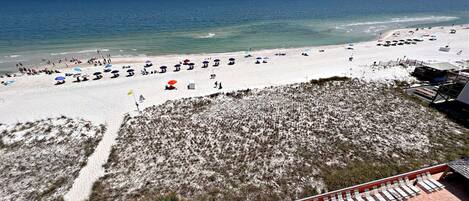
[
  {"x": 60, "y": 78},
  {"x": 108, "y": 66},
  {"x": 77, "y": 69}
]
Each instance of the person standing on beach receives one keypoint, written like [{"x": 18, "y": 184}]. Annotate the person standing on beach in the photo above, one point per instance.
[{"x": 219, "y": 86}]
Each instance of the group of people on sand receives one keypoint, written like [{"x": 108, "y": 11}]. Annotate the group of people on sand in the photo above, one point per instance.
[{"x": 97, "y": 62}]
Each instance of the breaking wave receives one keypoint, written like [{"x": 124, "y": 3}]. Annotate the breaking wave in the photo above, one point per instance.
[
  {"x": 405, "y": 20},
  {"x": 80, "y": 52},
  {"x": 209, "y": 35}
]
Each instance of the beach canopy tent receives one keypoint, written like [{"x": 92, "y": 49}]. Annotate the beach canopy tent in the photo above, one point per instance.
[
  {"x": 148, "y": 64},
  {"x": 178, "y": 67},
  {"x": 205, "y": 63},
  {"x": 191, "y": 85},
  {"x": 163, "y": 69},
  {"x": 217, "y": 62},
  {"x": 232, "y": 61},
  {"x": 98, "y": 75},
  {"x": 191, "y": 66},
  {"x": 131, "y": 72}
]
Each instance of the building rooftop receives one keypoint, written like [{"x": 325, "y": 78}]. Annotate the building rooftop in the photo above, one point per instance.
[
  {"x": 443, "y": 66},
  {"x": 460, "y": 166},
  {"x": 439, "y": 182}
]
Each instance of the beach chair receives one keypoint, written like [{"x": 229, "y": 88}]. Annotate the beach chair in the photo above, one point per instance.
[
  {"x": 400, "y": 191},
  {"x": 386, "y": 193},
  {"x": 377, "y": 195},
  {"x": 339, "y": 197},
  {"x": 423, "y": 184},
  {"x": 404, "y": 187},
  {"x": 348, "y": 196},
  {"x": 358, "y": 197},
  {"x": 434, "y": 181},
  {"x": 368, "y": 196},
  {"x": 409, "y": 184},
  {"x": 429, "y": 183},
  {"x": 394, "y": 193}
]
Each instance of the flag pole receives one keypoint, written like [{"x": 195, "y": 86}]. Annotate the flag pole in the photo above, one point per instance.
[{"x": 135, "y": 99}]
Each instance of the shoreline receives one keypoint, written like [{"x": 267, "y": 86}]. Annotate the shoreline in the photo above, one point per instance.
[{"x": 385, "y": 34}]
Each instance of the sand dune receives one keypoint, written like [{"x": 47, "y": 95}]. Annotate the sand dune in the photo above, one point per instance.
[{"x": 106, "y": 100}]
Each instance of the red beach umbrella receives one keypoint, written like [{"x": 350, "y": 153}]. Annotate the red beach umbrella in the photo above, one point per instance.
[{"x": 172, "y": 82}]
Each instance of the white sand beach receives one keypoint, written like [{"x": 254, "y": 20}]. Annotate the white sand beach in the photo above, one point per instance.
[{"x": 106, "y": 100}]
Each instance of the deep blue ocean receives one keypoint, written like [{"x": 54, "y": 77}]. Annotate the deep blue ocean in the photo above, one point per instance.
[{"x": 31, "y": 30}]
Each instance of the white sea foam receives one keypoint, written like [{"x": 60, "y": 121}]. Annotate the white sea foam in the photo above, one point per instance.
[
  {"x": 405, "y": 20},
  {"x": 14, "y": 56},
  {"x": 209, "y": 35},
  {"x": 79, "y": 52}
]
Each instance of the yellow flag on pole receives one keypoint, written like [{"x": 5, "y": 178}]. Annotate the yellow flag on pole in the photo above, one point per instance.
[{"x": 131, "y": 92}]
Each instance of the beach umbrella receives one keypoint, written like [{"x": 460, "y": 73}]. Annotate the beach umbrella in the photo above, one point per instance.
[
  {"x": 258, "y": 58},
  {"x": 77, "y": 69},
  {"x": 163, "y": 67},
  {"x": 205, "y": 62},
  {"x": 216, "y": 60},
  {"x": 97, "y": 73},
  {"x": 232, "y": 59},
  {"x": 115, "y": 71},
  {"x": 108, "y": 66},
  {"x": 6, "y": 83},
  {"x": 186, "y": 60},
  {"x": 172, "y": 82},
  {"x": 147, "y": 61},
  {"x": 130, "y": 70},
  {"x": 60, "y": 78},
  {"x": 266, "y": 57},
  {"x": 177, "y": 65}
]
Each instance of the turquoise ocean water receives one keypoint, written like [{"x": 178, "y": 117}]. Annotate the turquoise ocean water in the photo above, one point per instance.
[{"x": 51, "y": 29}]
